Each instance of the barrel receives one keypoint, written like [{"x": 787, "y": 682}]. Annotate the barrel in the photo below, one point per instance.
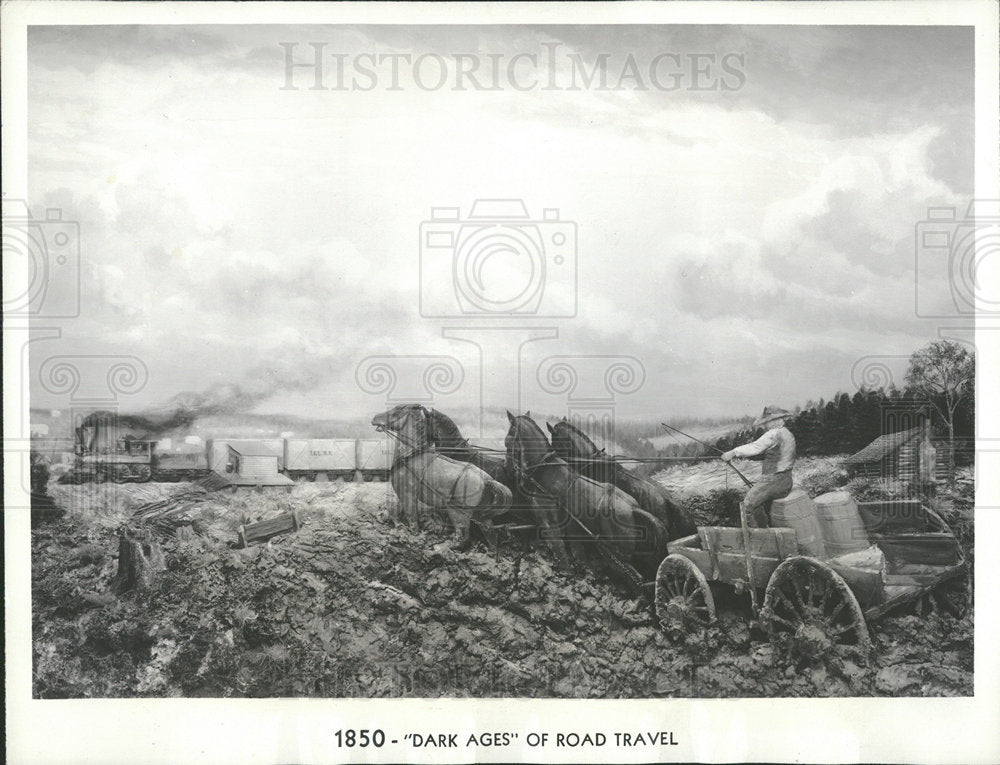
[
  {"x": 840, "y": 522},
  {"x": 797, "y": 511}
]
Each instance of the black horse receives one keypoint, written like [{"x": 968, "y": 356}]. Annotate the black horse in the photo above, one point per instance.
[
  {"x": 573, "y": 445},
  {"x": 592, "y": 511},
  {"x": 444, "y": 434}
]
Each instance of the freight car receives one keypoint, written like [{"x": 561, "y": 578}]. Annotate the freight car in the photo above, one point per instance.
[{"x": 326, "y": 459}]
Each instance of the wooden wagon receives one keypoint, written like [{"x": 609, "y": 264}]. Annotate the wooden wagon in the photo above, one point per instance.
[{"x": 814, "y": 604}]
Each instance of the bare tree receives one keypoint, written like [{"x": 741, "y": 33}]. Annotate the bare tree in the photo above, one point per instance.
[{"x": 944, "y": 372}]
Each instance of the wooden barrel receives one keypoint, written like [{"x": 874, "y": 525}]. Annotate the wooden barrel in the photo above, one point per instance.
[
  {"x": 797, "y": 511},
  {"x": 840, "y": 522}
]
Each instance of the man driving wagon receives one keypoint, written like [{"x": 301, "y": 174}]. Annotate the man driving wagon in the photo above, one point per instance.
[{"x": 777, "y": 449}]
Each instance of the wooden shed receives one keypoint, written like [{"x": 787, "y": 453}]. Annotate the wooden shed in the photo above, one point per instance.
[
  {"x": 895, "y": 455},
  {"x": 251, "y": 467}
]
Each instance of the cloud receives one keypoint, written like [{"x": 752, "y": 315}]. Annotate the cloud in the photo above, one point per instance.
[{"x": 236, "y": 233}]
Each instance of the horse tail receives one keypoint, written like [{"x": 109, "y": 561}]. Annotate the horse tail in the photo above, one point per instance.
[
  {"x": 655, "y": 537},
  {"x": 497, "y": 494},
  {"x": 680, "y": 520}
]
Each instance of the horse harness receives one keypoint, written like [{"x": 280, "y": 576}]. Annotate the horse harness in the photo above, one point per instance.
[
  {"x": 524, "y": 473},
  {"x": 422, "y": 483}
]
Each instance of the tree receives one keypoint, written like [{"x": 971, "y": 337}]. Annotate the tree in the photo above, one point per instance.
[{"x": 943, "y": 372}]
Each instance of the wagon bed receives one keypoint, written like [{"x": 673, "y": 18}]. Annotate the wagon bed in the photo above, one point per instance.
[{"x": 812, "y": 600}]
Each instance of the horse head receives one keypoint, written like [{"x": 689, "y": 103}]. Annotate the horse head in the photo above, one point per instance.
[
  {"x": 570, "y": 442},
  {"x": 408, "y": 422},
  {"x": 525, "y": 442},
  {"x": 443, "y": 432}
]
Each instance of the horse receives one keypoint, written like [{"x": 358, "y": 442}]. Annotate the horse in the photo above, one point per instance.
[
  {"x": 574, "y": 446},
  {"x": 419, "y": 474},
  {"x": 624, "y": 531},
  {"x": 445, "y": 436}
]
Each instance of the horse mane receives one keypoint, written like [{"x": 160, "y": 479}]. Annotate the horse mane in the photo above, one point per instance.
[
  {"x": 442, "y": 430},
  {"x": 534, "y": 425},
  {"x": 575, "y": 433},
  {"x": 418, "y": 441}
]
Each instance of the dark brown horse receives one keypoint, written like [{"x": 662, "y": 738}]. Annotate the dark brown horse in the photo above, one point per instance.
[
  {"x": 602, "y": 512},
  {"x": 420, "y": 475},
  {"x": 446, "y": 437},
  {"x": 582, "y": 454}
]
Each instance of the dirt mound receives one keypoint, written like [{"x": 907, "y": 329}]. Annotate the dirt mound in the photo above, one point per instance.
[{"x": 352, "y": 605}]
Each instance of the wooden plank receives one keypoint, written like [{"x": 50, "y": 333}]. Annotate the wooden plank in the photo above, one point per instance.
[
  {"x": 733, "y": 568},
  {"x": 267, "y": 529},
  {"x": 713, "y": 572},
  {"x": 788, "y": 543},
  {"x": 767, "y": 543},
  {"x": 699, "y": 558},
  {"x": 867, "y": 585},
  {"x": 684, "y": 544},
  {"x": 893, "y": 517},
  {"x": 934, "y": 549}
]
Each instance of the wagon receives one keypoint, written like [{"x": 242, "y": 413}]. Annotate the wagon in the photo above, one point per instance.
[{"x": 812, "y": 605}]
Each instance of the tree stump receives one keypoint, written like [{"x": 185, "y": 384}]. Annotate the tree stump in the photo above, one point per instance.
[{"x": 140, "y": 559}]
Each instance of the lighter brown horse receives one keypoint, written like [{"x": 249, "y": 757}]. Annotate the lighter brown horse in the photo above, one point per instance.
[{"x": 422, "y": 476}]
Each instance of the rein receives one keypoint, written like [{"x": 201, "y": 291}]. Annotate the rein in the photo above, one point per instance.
[
  {"x": 523, "y": 473},
  {"x": 418, "y": 449}
]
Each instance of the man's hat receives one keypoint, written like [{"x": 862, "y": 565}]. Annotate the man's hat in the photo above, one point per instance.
[{"x": 771, "y": 413}]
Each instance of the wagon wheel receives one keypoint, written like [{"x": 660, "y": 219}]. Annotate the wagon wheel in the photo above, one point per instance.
[
  {"x": 144, "y": 473},
  {"x": 810, "y": 605},
  {"x": 683, "y": 599}
]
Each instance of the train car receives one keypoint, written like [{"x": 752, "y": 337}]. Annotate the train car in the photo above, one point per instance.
[
  {"x": 253, "y": 465},
  {"x": 218, "y": 451},
  {"x": 179, "y": 462},
  {"x": 320, "y": 459},
  {"x": 373, "y": 458},
  {"x": 109, "y": 447}
]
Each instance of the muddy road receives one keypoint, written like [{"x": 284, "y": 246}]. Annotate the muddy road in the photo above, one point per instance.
[{"x": 354, "y": 605}]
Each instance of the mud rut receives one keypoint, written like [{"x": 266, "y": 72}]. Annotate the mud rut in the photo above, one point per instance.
[{"x": 352, "y": 605}]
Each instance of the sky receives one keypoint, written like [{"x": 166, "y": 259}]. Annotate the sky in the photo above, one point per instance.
[{"x": 732, "y": 210}]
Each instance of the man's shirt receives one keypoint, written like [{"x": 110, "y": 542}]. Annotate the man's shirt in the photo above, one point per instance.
[{"x": 778, "y": 448}]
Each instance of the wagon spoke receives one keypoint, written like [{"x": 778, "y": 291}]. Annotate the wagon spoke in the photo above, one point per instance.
[
  {"x": 797, "y": 590},
  {"x": 839, "y": 607},
  {"x": 682, "y": 596},
  {"x": 690, "y": 580},
  {"x": 808, "y": 588},
  {"x": 823, "y": 599},
  {"x": 835, "y": 633},
  {"x": 788, "y": 602},
  {"x": 783, "y": 620}
]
